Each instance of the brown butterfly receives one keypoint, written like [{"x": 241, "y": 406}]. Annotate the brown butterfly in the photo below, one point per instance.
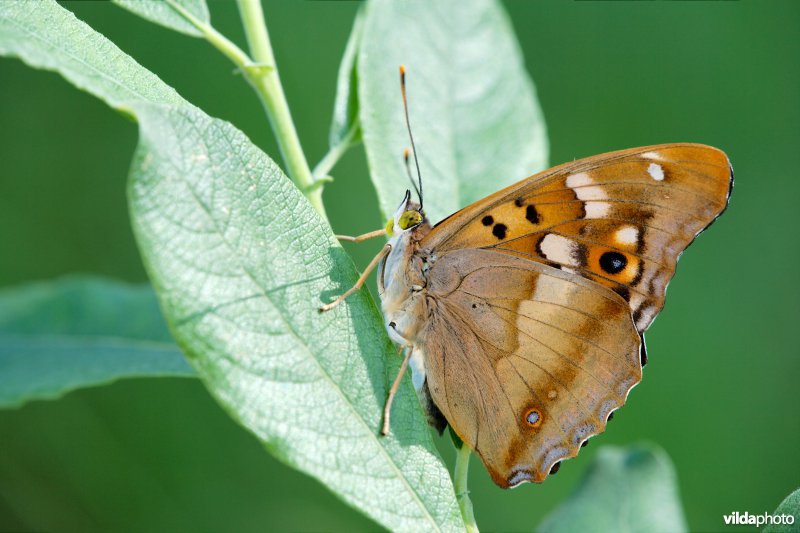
[{"x": 523, "y": 314}]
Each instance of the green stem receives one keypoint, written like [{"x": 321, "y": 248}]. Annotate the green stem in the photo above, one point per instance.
[
  {"x": 267, "y": 83},
  {"x": 334, "y": 154},
  {"x": 263, "y": 76},
  {"x": 219, "y": 41},
  {"x": 462, "y": 493}
]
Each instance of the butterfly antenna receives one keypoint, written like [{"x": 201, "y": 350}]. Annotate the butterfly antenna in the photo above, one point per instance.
[
  {"x": 410, "y": 136},
  {"x": 406, "y": 154}
]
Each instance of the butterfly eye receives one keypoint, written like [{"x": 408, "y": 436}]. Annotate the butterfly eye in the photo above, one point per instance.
[
  {"x": 409, "y": 219},
  {"x": 390, "y": 227}
]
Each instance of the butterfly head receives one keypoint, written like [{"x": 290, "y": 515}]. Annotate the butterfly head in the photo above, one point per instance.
[{"x": 408, "y": 216}]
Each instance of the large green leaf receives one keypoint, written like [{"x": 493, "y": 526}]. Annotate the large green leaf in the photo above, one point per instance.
[
  {"x": 788, "y": 507},
  {"x": 476, "y": 121},
  {"x": 624, "y": 489},
  {"x": 240, "y": 262},
  {"x": 166, "y": 13},
  {"x": 79, "y": 332}
]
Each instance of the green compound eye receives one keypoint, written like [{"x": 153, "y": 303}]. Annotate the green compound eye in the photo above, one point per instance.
[
  {"x": 390, "y": 227},
  {"x": 409, "y": 219}
]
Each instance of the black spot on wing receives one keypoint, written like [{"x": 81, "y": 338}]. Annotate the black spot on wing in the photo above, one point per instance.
[
  {"x": 487, "y": 220},
  {"x": 531, "y": 214},
  {"x": 613, "y": 262},
  {"x": 499, "y": 231}
]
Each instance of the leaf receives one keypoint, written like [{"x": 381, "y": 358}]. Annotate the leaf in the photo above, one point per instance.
[
  {"x": 624, "y": 489},
  {"x": 345, "y": 108},
  {"x": 473, "y": 108},
  {"x": 162, "y": 12},
  {"x": 45, "y": 35},
  {"x": 77, "y": 332},
  {"x": 240, "y": 260},
  {"x": 789, "y": 507}
]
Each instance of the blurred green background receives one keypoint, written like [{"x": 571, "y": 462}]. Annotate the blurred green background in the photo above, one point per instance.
[{"x": 719, "y": 393}]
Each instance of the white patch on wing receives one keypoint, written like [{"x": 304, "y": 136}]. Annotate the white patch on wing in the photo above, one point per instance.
[
  {"x": 581, "y": 184},
  {"x": 519, "y": 476},
  {"x": 590, "y": 193},
  {"x": 652, "y": 155},
  {"x": 578, "y": 180},
  {"x": 656, "y": 172},
  {"x": 636, "y": 300},
  {"x": 646, "y": 317},
  {"x": 597, "y": 209},
  {"x": 627, "y": 235},
  {"x": 559, "y": 249}
]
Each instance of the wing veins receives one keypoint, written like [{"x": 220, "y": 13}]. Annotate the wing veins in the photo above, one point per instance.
[
  {"x": 539, "y": 400},
  {"x": 650, "y": 184},
  {"x": 455, "y": 311},
  {"x": 564, "y": 357},
  {"x": 607, "y": 161},
  {"x": 585, "y": 277},
  {"x": 571, "y": 220},
  {"x": 593, "y": 286},
  {"x": 622, "y": 201},
  {"x": 614, "y": 355},
  {"x": 603, "y": 245}
]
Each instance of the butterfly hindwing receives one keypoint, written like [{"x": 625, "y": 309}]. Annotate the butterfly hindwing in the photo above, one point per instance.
[
  {"x": 524, "y": 360},
  {"x": 620, "y": 219}
]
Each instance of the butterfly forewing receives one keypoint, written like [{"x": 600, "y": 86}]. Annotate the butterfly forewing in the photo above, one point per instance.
[
  {"x": 619, "y": 219},
  {"x": 525, "y": 361}
]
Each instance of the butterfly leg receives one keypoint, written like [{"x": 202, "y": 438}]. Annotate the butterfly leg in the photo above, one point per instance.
[
  {"x": 387, "y": 409},
  {"x": 370, "y": 267},
  {"x": 364, "y": 237}
]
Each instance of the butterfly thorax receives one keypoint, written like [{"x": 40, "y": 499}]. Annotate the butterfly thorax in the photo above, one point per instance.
[{"x": 403, "y": 279}]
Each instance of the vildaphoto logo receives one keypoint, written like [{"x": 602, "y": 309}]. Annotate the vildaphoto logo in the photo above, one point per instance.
[{"x": 747, "y": 519}]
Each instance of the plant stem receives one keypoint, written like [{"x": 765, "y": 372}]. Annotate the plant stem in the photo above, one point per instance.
[
  {"x": 460, "y": 476},
  {"x": 216, "y": 39},
  {"x": 262, "y": 74},
  {"x": 267, "y": 83},
  {"x": 334, "y": 154}
]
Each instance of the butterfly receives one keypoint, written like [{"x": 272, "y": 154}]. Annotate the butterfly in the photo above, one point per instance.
[{"x": 523, "y": 315}]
